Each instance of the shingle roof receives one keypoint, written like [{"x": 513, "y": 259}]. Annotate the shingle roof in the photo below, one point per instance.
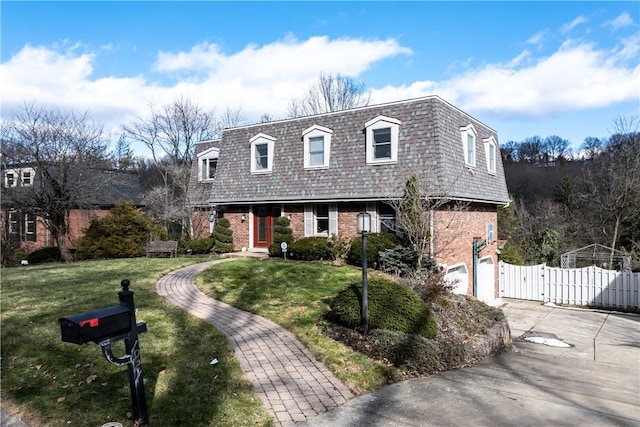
[{"x": 429, "y": 144}]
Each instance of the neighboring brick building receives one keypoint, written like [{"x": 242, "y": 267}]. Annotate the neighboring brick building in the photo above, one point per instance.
[
  {"x": 321, "y": 171},
  {"x": 22, "y": 229}
]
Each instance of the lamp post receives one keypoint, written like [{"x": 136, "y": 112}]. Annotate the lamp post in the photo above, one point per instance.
[
  {"x": 364, "y": 226},
  {"x": 478, "y": 246}
]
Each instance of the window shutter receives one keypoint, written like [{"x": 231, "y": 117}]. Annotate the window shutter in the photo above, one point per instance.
[
  {"x": 333, "y": 219},
  {"x": 308, "y": 220},
  {"x": 375, "y": 224}
]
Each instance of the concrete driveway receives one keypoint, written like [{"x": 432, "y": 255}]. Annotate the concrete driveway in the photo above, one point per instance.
[{"x": 595, "y": 381}]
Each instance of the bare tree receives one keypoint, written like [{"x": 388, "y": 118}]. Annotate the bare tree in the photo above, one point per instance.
[
  {"x": 415, "y": 214},
  {"x": 231, "y": 117},
  {"x": 63, "y": 150},
  {"x": 330, "y": 93},
  {"x": 611, "y": 181},
  {"x": 170, "y": 133},
  {"x": 555, "y": 147}
]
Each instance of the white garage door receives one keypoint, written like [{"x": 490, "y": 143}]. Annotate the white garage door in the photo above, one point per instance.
[
  {"x": 458, "y": 275},
  {"x": 486, "y": 279}
]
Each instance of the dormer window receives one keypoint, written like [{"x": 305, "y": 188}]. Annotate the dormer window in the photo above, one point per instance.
[
  {"x": 490, "y": 151},
  {"x": 381, "y": 134},
  {"x": 469, "y": 136},
  {"x": 262, "y": 153},
  {"x": 19, "y": 177},
  {"x": 317, "y": 147},
  {"x": 207, "y": 164}
]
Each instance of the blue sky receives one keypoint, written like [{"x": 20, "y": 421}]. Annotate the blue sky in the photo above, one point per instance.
[{"x": 523, "y": 68}]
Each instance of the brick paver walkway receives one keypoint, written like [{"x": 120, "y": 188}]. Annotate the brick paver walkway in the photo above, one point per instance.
[{"x": 291, "y": 383}]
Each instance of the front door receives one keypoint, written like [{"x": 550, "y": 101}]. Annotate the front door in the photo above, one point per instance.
[{"x": 263, "y": 219}]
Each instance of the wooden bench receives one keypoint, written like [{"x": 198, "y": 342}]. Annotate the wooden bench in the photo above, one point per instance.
[{"x": 161, "y": 247}]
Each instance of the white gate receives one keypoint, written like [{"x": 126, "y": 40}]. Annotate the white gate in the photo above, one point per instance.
[{"x": 589, "y": 286}]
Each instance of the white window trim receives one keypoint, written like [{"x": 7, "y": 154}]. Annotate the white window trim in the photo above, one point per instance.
[
  {"x": 465, "y": 132},
  {"x": 490, "y": 232},
  {"x": 310, "y": 226},
  {"x": 313, "y": 132},
  {"x": 18, "y": 177},
  {"x": 260, "y": 139},
  {"x": 209, "y": 154},
  {"x": 382, "y": 122},
  {"x": 489, "y": 144}
]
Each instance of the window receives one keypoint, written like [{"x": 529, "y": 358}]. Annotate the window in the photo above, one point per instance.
[
  {"x": 320, "y": 219},
  {"x": 23, "y": 225},
  {"x": 491, "y": 236},
  {"x": 469, "y": 144},
  {"x": 262, "y": 153},
  {"x": 30, "y": 227},
  {"x": 321, "y": 216},
  {"x": 9, "y": 179},
  {"x": 386, "y": 218},
  {"x": 26, "y": 178},
  {"x": 22, "y": 177},
  {"x": 207, "y": 164},
  {"x": 317, "y": 147},
  {"x": 381, "y": 134},
  {"x": 490, "y": 151}
]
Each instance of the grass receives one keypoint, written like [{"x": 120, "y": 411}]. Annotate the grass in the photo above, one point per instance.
[
  {"x": 295, "y": 295},
  {"x": 57, "y": 383}
]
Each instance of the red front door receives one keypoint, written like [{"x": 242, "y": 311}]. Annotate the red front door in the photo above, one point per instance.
[{"x": 262, "y": 227}]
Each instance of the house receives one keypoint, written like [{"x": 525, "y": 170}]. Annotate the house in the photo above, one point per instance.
[
  {"x": 96, "y": 191},
  {"x": 321, "y": 171}
]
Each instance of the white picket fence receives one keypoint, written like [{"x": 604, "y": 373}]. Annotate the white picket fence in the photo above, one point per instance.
[{"x": 589, "y": 286}]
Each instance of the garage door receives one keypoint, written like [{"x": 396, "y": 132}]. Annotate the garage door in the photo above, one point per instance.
[
  {"x": 458, "y": 275},
  {"x": 486, "y": 279}
]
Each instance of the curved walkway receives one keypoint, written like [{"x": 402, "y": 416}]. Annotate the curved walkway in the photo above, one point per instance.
[{"x": 291, "y": 383}]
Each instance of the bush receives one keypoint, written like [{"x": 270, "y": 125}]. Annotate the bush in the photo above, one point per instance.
[
  {"x": 340, "y": 247},
  {"x": 376, "y": 243},
  {"x": 223, "y": 236},
  {"x": 196, "y": 246},
  {"x": 311, "y": 249},
  {"x": 121, "y": 234},
  {"x": 281, "y": 233},
  {"x": 50, "y": 254},
  {"x": 391, "y": 306},
  {"x": 400, "y": 260}
]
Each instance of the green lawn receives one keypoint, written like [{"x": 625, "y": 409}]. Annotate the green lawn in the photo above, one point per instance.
[
  {"x": 60, "y": 383},
  {"x": 295, "y": 295}
]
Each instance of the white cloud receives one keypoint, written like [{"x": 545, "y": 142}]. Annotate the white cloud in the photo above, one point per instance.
[
  {"x": 621, "y": 21},
  {"x": 575, "y": 77},
  {"x": 573, "y": 24}
]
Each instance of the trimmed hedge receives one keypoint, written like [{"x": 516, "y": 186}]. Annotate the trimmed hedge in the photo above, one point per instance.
[
  {"x": 223, "y": 236},
  {"x": 197, "y": 246},
  {"x": 48, "y": 254},
  {"x": 281, "y": 233},
  {"x": 311, "y": 249},
  {"x": 391, "y": 306}
]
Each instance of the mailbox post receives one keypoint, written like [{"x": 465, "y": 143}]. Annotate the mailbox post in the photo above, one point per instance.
[{"x": 107, "y": 325}]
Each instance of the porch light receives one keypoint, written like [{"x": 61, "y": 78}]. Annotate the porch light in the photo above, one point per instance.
[
  {"x": 243, "y": 218},
  {"x": 364, "y": 222}
]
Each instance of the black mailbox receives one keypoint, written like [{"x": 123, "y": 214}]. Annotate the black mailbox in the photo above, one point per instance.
[{"x": 96, "y": 325}]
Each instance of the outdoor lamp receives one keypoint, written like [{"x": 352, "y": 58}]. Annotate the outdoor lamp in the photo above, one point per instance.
[
  {"x": 364, "y": 226},
  {"x": 364, "y": 222},
  {"x": 243, "y": 218},
  {"x": 211, "y": 216}
]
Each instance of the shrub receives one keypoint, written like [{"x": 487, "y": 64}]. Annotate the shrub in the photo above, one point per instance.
[
  {"x": 376, "y": 243},
  {"x": 340, "y": 247},
  {"x": 429, "y": 284},
  {"x": 391, "y": 306},
  {"x": 121, "y": 234},
  {"x": 223, "y": 236},
  {"x": 281, "y": 233},
  {"x": 196, "y": 246},
  {"x": 50, "y": 254},
  {"x": 399, "y": 260},
  {"x": 311, "y": 249}
]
